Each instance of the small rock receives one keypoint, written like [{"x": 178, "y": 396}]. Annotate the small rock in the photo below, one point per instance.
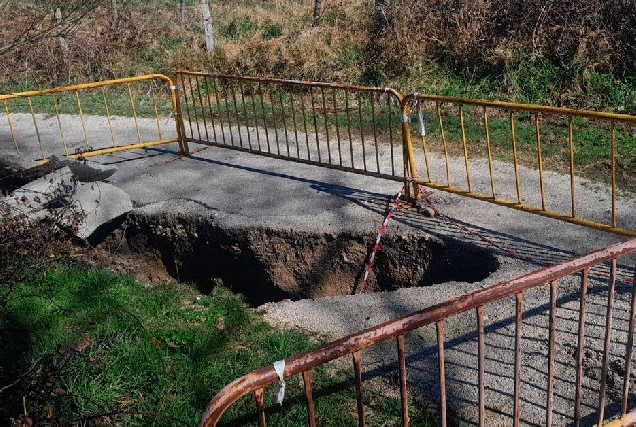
[{"x": 427, "y": 212}]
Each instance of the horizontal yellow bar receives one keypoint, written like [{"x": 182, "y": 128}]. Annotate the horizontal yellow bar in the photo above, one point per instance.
[
  {"x": 86, "y": 86},
  {"x": 530, "y": 209},
  {"x": 297, "y": 160},
  {"x": 122, "y": 148},
  {"x": 296, "y": 82},
  {"x": 625, "y": 118}
]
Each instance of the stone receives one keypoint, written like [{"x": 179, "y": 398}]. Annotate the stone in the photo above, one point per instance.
[{"x": 100, "y": 203}]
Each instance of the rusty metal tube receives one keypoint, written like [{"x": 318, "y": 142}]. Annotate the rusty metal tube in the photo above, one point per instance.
[
  {"x": 518, "y": 336},
  {"x": 439, "y": 326},
  {"x": 551, "y": 353},
  {"x": 403, "y": 386},
  {"x": 357, "y": 368},
  {"x": 356, "y": 342},
  {"x": 607, "y": 342},
  {"x": 580, "y": 347}
]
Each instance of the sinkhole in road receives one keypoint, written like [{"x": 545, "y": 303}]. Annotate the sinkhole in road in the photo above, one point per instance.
[{"x": 267, "y": 265}]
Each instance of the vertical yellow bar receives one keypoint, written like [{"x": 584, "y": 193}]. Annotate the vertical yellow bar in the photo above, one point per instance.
[
  {"x": 420, "y": 115},
  {"x": 224, "y": 94},
  {"x": 335, "y": 112},
  {"x": 210, "y": 113},
  {"x": 613, "y": 174},
  {"x": 59, "y": 124},
  {"x": 15, "y": 140},
  {"x": 349, "y": 128},
  {"x": 237, "y": 114},
  {"x": 304, "y": 113},
  {"x": 537, "y": 129},
  {"x": 428, "y": 167},
  {"x": 441, "y": 129},
  {"x": 134, "y": 111},
  {"x": 389, "y": 103},
  {"x": 364, "y": 154},
  {"x": 218, "y": 108},
  {"x": 410, "y": 170},
  {"x": 205, "y": 122},
  {"x": 375, "y": 133},
  {"x": 256, "y": 126},
  {"x": 274, "y": 119},
  {"x": 466, "y": 163},
  {"x": 186, "y": 101},
  {"x": 514, "y": 156},
  {"x": 489, "y": 149},
  {"x": 326, "y": 116},
  {"x": 247, "y": 129},
  {"x": 571, "y": 140},
  {"x": 178, "y": 118},
  {"x": 81, "y": 114},
  {"x": 37, "y": 131},
  {"x": 110, "y": 126},
  {"x": 156, "y": 110}
]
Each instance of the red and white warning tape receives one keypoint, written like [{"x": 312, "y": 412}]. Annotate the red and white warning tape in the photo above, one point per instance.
[
  {"x": 481, "y": 236},
  {"x": 388, "y": 216}
]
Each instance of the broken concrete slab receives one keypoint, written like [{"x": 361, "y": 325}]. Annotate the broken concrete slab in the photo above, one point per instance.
[
  {"x": 81, "y": 207},
  {"x": 99, "y": 203},
  {"x": 38, "y": 197},
  {"x": 86, "y": 171}
]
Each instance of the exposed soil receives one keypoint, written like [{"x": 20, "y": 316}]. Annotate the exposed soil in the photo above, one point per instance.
[{"x": 271, "y": 265}]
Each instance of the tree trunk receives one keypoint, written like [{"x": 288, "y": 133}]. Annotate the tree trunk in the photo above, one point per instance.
[
  {"x": 114, "y": 7},
  {"x": 207, "y": 25},
  {"x": 60, "y": 37},
  {"x": 317, "y": 12}
]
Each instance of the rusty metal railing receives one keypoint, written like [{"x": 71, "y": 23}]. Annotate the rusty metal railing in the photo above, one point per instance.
[
  {"x": 53, "y": 121},
  {"x": 458, "y": 136},
  {"x": 556, "y": 364},
  {"x": 344, "y": 127}
]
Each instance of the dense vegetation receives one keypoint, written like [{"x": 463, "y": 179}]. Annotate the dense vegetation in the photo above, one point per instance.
[{"x": 561, "y": 53}]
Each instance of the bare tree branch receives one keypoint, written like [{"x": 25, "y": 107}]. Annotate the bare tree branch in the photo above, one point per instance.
[{"x": 30, "y": 23}]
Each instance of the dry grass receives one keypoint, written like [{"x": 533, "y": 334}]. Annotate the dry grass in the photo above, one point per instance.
[
  {"x": 279, "y": 40},
  {"x": 410, "y": 44},
  {"x": 487, "y": 35}
]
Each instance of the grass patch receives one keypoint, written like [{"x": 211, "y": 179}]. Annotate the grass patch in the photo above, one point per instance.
[
  {"x": 84, "y": 343},
  {"x": 144, "y": 99}
]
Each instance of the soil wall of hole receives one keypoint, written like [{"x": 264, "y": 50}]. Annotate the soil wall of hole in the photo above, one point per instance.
[{"x": 267, "y": 264}]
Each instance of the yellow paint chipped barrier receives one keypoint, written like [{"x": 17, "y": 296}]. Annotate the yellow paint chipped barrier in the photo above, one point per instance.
[
  {"x": 345, "y": 127},
  {"x": 366, "y": 130},
  {"x": 492, "y": 128},
  {"x": 156, "y": 94}
]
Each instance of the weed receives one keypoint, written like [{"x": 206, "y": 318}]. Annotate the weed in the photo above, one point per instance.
[
  {"x": 238, "y": 28},
  {"x": 272, "y": 31}
]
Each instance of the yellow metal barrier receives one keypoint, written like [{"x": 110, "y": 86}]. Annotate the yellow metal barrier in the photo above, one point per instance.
[
  {"x": 345, "y": 127},
  {"x": 458, "y": 136},
  {"x": 488, "y": 150},
  {"x": 130, "y": 106}
]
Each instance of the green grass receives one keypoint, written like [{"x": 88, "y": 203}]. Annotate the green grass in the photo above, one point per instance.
[
  {"x": 591, "y": 141},
  {"x": 114, "y": 101},
  {"x": 98, "y": 343}
]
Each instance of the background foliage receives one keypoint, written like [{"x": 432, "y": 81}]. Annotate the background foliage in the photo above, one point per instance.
[{"x": 577, "y": 54}]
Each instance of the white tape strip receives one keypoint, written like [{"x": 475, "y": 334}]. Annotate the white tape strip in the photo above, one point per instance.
[
  {"x": 279, "y": 367},
  {"x": 420, "y": 115}
]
